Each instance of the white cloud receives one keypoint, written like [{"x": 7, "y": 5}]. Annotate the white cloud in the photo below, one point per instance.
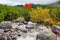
[
  {"x": 35, "y": 1},
  {"x": 3, "y": 1},
  {"x": 15, "y": 2}
]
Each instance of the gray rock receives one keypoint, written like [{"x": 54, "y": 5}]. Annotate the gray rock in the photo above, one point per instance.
[
  {"x": 25, "y": 31},
  {"x": 31, "y": 23},
  {"x": 46, "y": 36},
  {"x": 29, "y": 27},
  {"x": 16, "y": 29},
  {"x": 21, "y": 20},
  {"x": 14, "y": 37},
  {"x": 9, "y": 38},
  {"x": 2, "y": 38},
  {"x": 56, "y": 30},
  {"x": 1, "y": 30},
  {"x": 23, "y": 28},
  {"x": 5, "y": 26},
  {"x": 19, "y": 34},
  {"x": 14, "y": 25},
  {"x": 6, "y": 30}
]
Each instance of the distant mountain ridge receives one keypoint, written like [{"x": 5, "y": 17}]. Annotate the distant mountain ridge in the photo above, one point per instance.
[
  {"x": 35, "y": 5},
  {"x": 55, "y": 4}
]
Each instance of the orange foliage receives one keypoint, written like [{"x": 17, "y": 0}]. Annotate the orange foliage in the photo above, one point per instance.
[{"x": 27, "y": 6}]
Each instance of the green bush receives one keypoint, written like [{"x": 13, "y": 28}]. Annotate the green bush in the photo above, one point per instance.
[
  {"x": 25, "y": 13},
  {"x": 55, "y": 13},
  {"x": 1, "y": 16},
  {"x": 9, "y": 12},
  {"x": 11, "y": 15}
]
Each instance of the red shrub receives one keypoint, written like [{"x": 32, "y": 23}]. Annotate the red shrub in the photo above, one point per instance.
[{"x": 27, "y": 6}]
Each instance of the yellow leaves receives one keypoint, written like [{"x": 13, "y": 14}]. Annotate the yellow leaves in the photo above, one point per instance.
[
  {"x": 58, "y": 23},
  {"x": 49, "y": 21},
  {"x": 38, "y": 14},
  {"x": 46, "y": 11}
]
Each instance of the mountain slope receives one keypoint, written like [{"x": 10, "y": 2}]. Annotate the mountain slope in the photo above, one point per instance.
[{"x": 55, "y": 4}]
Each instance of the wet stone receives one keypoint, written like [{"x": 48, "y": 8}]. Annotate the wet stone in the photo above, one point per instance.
[
  {"x": 56, "y": 30},
  {"x": 46, "y": 36}
]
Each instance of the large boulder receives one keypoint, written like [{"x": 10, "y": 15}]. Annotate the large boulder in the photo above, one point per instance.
[
  {"x": 30, "y": 25},
  {"x": 56, "y": 30},
  {"x": 21, "y": 20},
  {"x": 5, "y": 25},
  {"x": 46, "y": 35}
]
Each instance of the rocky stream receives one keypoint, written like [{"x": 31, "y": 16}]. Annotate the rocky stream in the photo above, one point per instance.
[{"x": 28, "y": 31}]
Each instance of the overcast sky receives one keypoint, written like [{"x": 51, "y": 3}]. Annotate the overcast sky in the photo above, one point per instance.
[{"x": 18, "y": 2}]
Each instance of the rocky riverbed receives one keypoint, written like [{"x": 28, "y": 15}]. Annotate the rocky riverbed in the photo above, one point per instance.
[{"x": 28, "y": 31}]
